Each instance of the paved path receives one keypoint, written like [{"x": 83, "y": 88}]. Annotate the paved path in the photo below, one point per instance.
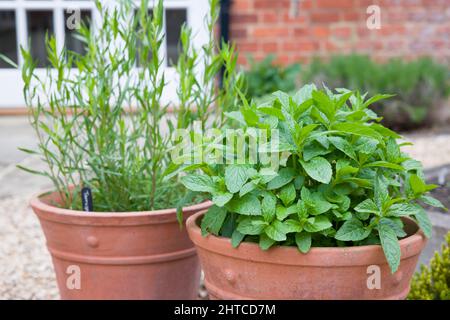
[{"x": 25, "y": 266}]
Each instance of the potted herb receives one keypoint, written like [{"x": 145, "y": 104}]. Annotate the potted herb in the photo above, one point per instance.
[
  {"x": 338, "y": 217},
  {"x": 112, "y": 222}
]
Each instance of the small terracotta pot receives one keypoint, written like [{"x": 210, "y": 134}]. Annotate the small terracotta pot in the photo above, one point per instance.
[
  {"x": 247, "y": 272},
  {"x": 120, "y": 255}
]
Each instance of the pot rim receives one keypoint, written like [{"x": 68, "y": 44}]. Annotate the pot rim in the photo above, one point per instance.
[
  {"x": 37, "y": 203},
  {"x": 289, "y": 255}
]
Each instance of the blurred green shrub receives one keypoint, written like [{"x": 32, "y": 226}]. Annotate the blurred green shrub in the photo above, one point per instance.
[
  {"x": 420, "y": 86},
  {"x": 265, "y": 77},
  {"x": 433, "y": 282}
]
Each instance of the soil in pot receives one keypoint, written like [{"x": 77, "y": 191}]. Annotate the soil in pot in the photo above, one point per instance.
[
  {"x": 247, "y": 272},
  {"x": 128, "y": 255}
]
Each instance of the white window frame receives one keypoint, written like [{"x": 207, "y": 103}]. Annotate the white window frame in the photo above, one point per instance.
[{"x": 11, "y": 83}]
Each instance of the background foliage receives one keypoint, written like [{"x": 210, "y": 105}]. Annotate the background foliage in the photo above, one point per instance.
[
  {"x": 433, "y": 281},
  {"x": 419, "y": 86}
]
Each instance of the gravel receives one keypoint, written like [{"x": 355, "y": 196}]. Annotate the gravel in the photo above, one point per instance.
[{"x": 25, "y": 265}]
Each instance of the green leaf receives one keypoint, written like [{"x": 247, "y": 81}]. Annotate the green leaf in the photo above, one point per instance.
[
  {"x": 213, "y": 220},
  {"x": 424, "y": 221},
  {"x": 401, "y": 209},
  {"x": 303, "y": 241},
  {"x": 357, "y": 129},
  {"x": 265, "y": 242},
  {"x": 324, "y": 104},
  {"x": 247, "y": 205},
  {"x": 390, "y": 245},
  {"x": 312, "y": 150},
  {"x": 222, "y": 198},
  {"x": 352, "y": 230},
  {"x": 432, "y": 202},
  {"x": 275, "y": 231},
  {"x": 318, "y": 223},
  {"x": 418, "y": 186},
  {"x": 236, "y": 238},
  {"x": 285, "y": 175},
  {"x": 268, "y": 206},
  {"x": 367, "y": 206},
  {"x": 392, "y": 150},
  {"x": 318, "y": 169},
  {"x": 283, "y": 212},
  {"x": 246, "y": 188},
  {"x": 380, "y": 191},
  {"x": 291, "y": 225},
  {"x": 235, "y": 177},
  {"x": 251, "y": 226},
  {"x": 287, "y": 194},
  {"x": 343, "y": 145},
  {"x": 199, "y": 183},
  {"x": 397, "y": 226},
  {"x": 384, "y": 164}
]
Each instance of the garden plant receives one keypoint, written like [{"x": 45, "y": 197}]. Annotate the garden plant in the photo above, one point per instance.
[
  {"x": 103, "y": 131},
  {"x": 341, "y": 181}
]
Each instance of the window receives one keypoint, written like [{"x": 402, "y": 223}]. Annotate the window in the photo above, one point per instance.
[{"x": 27, "y": 22}]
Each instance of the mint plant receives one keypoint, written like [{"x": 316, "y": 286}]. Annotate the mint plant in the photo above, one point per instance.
[
  {"x": 342, "y": 179},
  {"x": 79, "y": 108}
]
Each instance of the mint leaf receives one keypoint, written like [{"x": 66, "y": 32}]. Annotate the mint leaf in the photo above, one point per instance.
[
  {"x": 424, "y": 221},
  {"x": 235, "y": 177},
  {"x": 236, "y": 238},
  {"x": 265, "y": 242},
  {"x": 251, "y": 226},
  {"x": 199, "y": 183},
  {"x": 318, "y": 169},
  {"x": 287, "y": 194},
  {"x": 390, "y": 245},
  {"x": 317, "y": 224},
  {"x": 284, "y": 176},
  {"x": 343, "y": 145},
  {"x": 275, "y": 231},
  {"x": 401, "y": 209},
  {"x": 222, "y": 198},
  {"x": 303, "y": 241},
  {"x": 268, "y": 207},
  {"x": 432, "y": 202},
  {"x": 395, "y": 225},
  {"x": 367, "y": 206},
  {"x": 352, "y": 230},
  {"x": 213, "y": 220},
  {"x": 380, "y": 187},
  {"x": 247, "y": 205}
]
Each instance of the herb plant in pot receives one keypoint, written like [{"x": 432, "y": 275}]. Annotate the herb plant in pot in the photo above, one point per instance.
[
  {"x": 338, "y": 217},
  {"x": 113, "y": 163}
]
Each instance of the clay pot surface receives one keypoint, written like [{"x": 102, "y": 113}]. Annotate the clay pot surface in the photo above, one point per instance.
[
  {"x": 247, "y": 272},
  {"x": 120, "y": 255}
]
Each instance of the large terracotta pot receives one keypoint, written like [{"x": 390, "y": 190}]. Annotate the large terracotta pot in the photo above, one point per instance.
[
  {"x": 126, "y": 255},
  {"x": 247, "y": 272}
]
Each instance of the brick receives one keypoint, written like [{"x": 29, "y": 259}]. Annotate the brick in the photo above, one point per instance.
[
  {"x": 249, "y": 46},
  {"x": 244, "y": 18},
  {"x": 272, "y": 4},
  {"x": 241, "y": 5},
  {"x": 270, "y": 47},
  {"x": 320, "y": 32},
  {"x": 269, "y": 17},
  {"x": 334, "y": 4},
  {"x": 238, "y": 33},
  {"x": 324, "y": 17},
  {"x": 270, "y": 32}
]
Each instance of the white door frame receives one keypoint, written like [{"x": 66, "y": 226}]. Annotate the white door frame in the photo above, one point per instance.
[{"x": 11, "y": 83}]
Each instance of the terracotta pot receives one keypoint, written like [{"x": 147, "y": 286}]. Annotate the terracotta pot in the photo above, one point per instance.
[
  {"x": 126, "y": 255},
  {"x": 247, "y": 272}
]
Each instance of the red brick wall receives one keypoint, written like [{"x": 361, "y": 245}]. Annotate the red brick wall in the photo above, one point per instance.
[{"x": 409, "y": 28}]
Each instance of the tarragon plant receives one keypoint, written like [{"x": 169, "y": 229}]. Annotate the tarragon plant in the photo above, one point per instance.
[
  {"x": 342, "y": 179},
  {"x": 79, "y": 108}
]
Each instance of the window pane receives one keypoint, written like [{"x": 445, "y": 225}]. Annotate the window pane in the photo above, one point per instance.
[
  {"x": 174, "y": 20},
  {"x": 39, "y": 23},
  {"x": 72, "y": 20},
  {"x": 8, "y": 42}
]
